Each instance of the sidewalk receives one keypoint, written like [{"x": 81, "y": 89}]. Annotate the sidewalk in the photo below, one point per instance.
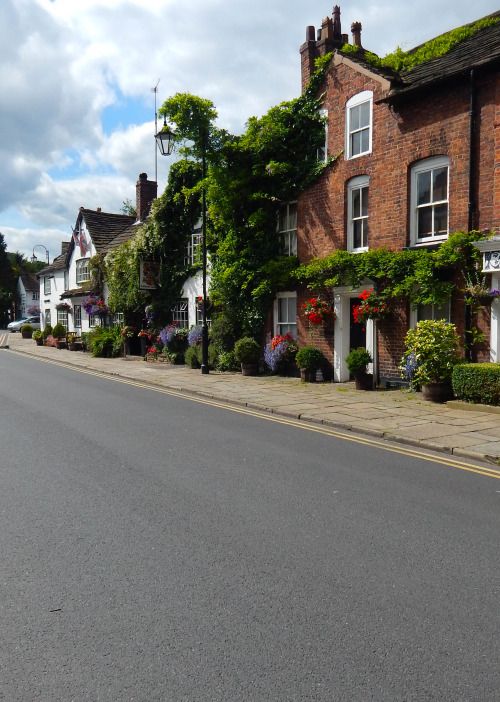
[{"x": 463, "y": 430}]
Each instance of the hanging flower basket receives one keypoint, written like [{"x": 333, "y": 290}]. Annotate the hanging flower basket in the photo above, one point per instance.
[
  {"x": 370, "y": 307},
  {"x": 95, "y": 305},
  {"x": 318, "y": 311},
  {"x": 64, "y": 307},
  {"x": 480, "y": 295}
]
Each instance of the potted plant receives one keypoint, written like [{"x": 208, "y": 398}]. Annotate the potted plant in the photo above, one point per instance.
[
  {"x": 372, "y": 306},
  {"x": 433, "y": 344},
  {"x": 26, "y": 331},
  {"x": 357, "y": 361},
  {"x": 247, "y": 352},
  {"x": 38, "y": 337},
  {"x": 309, "y": 359},
  {"x": 279, "y": 354},
  {"x": 59, "y": 334},
  {"x": 317, "y": 311}
]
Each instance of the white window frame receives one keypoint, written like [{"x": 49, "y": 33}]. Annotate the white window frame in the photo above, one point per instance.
[
  {"x": 194, "y": 248},
  {"x": 354, "y": 184},
  {"x": 429, "y": 164},
  {"x": 414, "y": 314},
  {"x": 48, "y": 316},
  {"x": 82, "y": 263},
  {"x": 62, "y": 318},
  {"x": 180, "y": 312},
  {"x": 277, "y": 322},
  {"x": 288, "y": 235},
  {"x": 46, "y": 285},
  {"x": 77, "y": 316},
  {"x": 355, "y": 101},
  {"x": 322, "y": 152}
]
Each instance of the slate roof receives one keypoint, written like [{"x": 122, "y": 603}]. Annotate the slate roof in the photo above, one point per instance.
[
  {"x": 30, "y": 283},
  {"x": 482, "y": 48},
  {"x": 478, "y": 50},
  {"x": 125, "y": 235},
  {"x": 104, "y": 227},
  {"x": 58, "y": 264}
]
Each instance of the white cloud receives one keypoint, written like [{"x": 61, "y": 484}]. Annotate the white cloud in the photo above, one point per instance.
[{"x": 63, "y": 62}]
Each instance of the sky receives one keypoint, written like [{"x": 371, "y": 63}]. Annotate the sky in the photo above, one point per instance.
[{"x": 77, "y": 77}]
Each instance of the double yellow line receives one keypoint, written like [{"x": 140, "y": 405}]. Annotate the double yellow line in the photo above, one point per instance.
[{"x": 320, "y": 429}]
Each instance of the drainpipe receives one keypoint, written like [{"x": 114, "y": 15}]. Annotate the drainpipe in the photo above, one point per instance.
[{"x": 472, "y": 198}]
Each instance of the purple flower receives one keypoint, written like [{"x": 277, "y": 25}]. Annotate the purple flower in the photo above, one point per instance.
[
  {"x": 194, "y": 336},
  {"x": 273, "y": 357},
  {"x": 168, "y": 333}
]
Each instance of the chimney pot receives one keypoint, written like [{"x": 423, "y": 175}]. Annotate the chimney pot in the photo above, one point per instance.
[
  {"x": 310, "y": 33},
  {"x": 98, "y": 209},
  {"x": 356, "y": 33}
]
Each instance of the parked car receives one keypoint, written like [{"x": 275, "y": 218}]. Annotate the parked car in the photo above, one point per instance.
[{"x": 16, "y": 326}]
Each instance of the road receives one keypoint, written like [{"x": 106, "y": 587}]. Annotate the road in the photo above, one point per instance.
[{"x": 154, "y": 548}]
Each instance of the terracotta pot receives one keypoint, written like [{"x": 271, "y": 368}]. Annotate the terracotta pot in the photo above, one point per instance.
[
  {"x": 364, "y": 381},
  {"x": 437, "y": 392},
  {"x": 249, "y": 368}
]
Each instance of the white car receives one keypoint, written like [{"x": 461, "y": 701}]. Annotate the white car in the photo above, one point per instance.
[{"x": 16, "y": 326}]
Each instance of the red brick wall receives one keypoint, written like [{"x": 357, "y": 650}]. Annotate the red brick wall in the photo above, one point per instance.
[{"x": 430, "y": 124}]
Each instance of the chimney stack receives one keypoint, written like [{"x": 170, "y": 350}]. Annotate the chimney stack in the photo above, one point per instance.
[
  {"x": 356, "y": 33},
  {"x": 145, "y": 192}
]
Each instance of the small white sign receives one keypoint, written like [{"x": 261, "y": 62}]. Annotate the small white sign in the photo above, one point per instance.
[{"x": 491, "y": 261}]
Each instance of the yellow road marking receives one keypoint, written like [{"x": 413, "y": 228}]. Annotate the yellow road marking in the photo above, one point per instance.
[{"x": 261, "y": 414}]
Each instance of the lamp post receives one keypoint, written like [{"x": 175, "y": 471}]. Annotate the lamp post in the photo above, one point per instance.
[
  {"x": 34, "y": 258},
  {"x": 165, "y": 140}
]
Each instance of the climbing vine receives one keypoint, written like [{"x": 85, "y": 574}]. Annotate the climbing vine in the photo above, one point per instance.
[{"x": 421, "y": 276}]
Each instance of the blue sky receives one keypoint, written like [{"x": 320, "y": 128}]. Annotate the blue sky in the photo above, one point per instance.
[{"x": 78, "y": 126}]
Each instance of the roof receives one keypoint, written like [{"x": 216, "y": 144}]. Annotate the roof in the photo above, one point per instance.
[
  {"x": 76, "y": 292},
  {"x": 30, "y": 282},
  {"x": 124, "y": 236},
  {"x": 104, "y": 227},
  {"x": 480, "y": 49},
  {"x": 58, "y": 264}
]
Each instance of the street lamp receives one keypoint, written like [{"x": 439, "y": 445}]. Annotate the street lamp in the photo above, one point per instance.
[
  {"x": 34, "y": 258},
  {"x": 165, "y": 140}
]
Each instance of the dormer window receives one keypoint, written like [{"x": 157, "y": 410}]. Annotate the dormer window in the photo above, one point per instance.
[{"x": 359, "y": 111}]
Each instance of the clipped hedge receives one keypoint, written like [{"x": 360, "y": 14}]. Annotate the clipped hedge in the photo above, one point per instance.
[{"x": 477, "y": 382}]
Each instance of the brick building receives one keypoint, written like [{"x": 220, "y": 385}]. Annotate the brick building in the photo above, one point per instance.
[{"x": 418, "y": 158}]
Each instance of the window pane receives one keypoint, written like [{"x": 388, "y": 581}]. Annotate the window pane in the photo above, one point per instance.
[
  {"x": 282, "y": 309},
  {"x": 355, "y": 144},
  {"x": 440, "y": 184},
  {"x": 364, "y": 114},
  {"x": 365, "y": 233},
  {"x": 293, "y": 244},
  {"x": 356, "y": 202},
  {"x": 441, "y": 219},
  {"x": 424, "y": 312},
  {"x": 357, "y": 234},
  {"x": 354, "y": 122},
  {"x": 292, "y": 216},
  {"x": 292, "y": 309},
  {"x": 424, "y": 221},
  {"x": 282, "y": 220},
  {"x": 365, "y": 140},
  {"x": 423, "y": 188},
  {"x": 364, "y": 201}
]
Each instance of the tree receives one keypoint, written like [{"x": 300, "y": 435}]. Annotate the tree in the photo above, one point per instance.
[{"x": 7, "y": 283}]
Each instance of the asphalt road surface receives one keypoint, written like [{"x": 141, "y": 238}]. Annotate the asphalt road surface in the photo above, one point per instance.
[{"x": 154, "y": 548}]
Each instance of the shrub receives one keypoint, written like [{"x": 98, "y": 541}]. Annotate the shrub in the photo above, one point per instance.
[
  {"x": 357, "y": 360},
  {"x": 212, "y": 355},
  {"x": 47, "y": 331},
  {"x": 37, "y": 334},
  {"x": 26, "y": 331},
  {"x": 191, "y": 358},
  {"x": 59, "y": 331},
  {"x": 434, "y": 344},
  {"x": 477, "y": 382},
  {"x": 226, "y": 361},
  {"x": 247, "y": 350},
  {"x": 105, "y": 342},
  {"x": 309, "y": 358}
]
